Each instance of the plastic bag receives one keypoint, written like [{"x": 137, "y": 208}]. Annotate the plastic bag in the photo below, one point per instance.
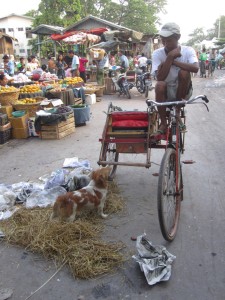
[
  {"x": 57, "y": 178},
  {"x": 45, "y": 197}
]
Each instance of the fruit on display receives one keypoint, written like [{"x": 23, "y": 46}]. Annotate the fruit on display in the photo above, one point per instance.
[
  {"x": 26, "y": 101},
  {"x": 73, "y": 80},
  {"x": 9, "y": 89},
  {"x": 33, "y": 88}
]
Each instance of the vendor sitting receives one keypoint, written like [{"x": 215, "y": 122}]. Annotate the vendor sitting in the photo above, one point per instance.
[{"x": 3, "y": 80}]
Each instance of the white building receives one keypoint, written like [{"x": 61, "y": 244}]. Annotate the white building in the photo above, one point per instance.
[{"x": 18, "y": 27}]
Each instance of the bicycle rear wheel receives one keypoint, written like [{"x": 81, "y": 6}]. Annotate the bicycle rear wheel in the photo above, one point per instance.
[{"x": 170, "y": 192}]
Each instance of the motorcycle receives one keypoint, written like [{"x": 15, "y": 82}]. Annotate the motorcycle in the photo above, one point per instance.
[
  {"x": 122, "y": 85},
  {"x": 144, "y": 83}
]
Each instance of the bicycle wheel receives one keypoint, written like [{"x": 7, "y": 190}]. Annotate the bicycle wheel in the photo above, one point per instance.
[
  {"x": 127, "y": 92},
  {"x": 139, "y": 86},
  {"x": 110, "y": 155},
  {"x": 170, "y": 192}
]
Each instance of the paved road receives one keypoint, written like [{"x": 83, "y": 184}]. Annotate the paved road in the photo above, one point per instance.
[{"x": 199, "y": 269}]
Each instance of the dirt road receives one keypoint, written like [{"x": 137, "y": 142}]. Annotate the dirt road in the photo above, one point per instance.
[{"x": 198, "y": 271}]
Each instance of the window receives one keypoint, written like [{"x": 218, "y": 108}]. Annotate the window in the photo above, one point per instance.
[
  {"x": 20, "y": 29},
  {"x": 28, "y": 33},
  {"x": 22, "y": 51},
  {"x": 11, "y": 29},
  {"x": 2, "y": 30}
]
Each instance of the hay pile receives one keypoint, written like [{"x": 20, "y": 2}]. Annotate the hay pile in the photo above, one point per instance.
[{"x": 77, "y": 244}]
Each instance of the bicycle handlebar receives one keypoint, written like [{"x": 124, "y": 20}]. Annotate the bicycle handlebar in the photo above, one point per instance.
[{"x": 181, "y": 102}]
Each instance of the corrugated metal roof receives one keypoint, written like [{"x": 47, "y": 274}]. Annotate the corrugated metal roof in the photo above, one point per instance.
[{"x": 47, "y": 29}]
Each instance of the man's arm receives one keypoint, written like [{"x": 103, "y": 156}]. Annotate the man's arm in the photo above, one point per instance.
[{"x": 187, "y": 66}]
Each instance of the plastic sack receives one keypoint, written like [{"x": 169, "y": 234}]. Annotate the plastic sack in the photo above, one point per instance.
[
  {"x": 57, "y": 178},
  {"x": 45, "y": 197}
]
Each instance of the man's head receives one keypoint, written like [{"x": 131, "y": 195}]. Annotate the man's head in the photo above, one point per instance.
[
  {"x": 170, "y": 34},
  {"x": 169, "y": 29},
  {"x": 5, "y": 58},
  {"x": 71, "y": 53}
]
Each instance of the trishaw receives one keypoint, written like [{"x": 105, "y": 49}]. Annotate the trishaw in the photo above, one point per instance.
[{"x": 131, "y": 132}]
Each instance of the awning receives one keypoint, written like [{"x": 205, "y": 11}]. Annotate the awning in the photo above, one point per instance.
[
  {"x": 44, "y": 29},
  {"x": 96, "y": 31},
  {"x": 81, "y": 38}
]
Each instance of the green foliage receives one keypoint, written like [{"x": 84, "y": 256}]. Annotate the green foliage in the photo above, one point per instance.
[
  {"x": 139, "y": 15},
  {"x": 58, "y": 12}
]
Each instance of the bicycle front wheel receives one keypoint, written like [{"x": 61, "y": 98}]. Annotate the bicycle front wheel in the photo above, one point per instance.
[{"x": 169, "y": 194}]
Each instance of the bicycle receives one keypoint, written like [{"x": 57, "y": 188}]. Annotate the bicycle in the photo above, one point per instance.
[
  {"x": 170, "y": 184},
  {"x": 131, "y": 132}
]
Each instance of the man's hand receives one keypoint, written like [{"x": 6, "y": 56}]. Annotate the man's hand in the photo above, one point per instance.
[{"x": 175, "y": 53}]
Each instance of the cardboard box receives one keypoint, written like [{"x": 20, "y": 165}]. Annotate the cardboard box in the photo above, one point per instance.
[
  {"x": 20, "y": 133},
  {"x": 20, "y": 122},
  {"x": 6, "y": 110}
]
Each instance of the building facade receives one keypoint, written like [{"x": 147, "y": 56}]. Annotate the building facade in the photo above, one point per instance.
[{"x": 19, "y": 27}]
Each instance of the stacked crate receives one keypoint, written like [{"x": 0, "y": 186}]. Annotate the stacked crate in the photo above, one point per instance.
[{"x": 58, "y": 131}]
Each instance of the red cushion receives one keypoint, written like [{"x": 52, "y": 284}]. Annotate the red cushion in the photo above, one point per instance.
[
  {"x": 130, "y": 123},
  {"x": 130, "y": 115}
]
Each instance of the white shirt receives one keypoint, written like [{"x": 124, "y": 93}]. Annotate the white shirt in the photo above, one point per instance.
[
  {"x": 188, "y": 55},
  {"x": 75, "y": 62},
  {"x": 142, "y": 61}
]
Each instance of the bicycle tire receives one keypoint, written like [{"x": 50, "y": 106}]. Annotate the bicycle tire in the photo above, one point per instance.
[
  {"x": 139, "y": 86},
  {"x": 127, "y": 92},
  {"x": 169, "y": 196},
  {"x": 110, "y": 154}
]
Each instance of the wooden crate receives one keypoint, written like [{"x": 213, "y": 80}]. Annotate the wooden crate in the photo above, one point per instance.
[
  {"x": 109, "y": 87},
  {"x": 59, "y": 131}
]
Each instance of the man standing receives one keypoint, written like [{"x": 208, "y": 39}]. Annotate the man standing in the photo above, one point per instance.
[
  {"x": 75, "y": 63},
  {"x": 124, "y": 62},
  {"x": 172, "y": 65}
]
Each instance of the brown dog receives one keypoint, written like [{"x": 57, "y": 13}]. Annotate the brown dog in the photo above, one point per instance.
[{"x": 66, "y": 206}]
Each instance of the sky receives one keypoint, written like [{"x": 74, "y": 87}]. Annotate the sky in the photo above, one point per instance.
[{"x": 189, "y": 14}]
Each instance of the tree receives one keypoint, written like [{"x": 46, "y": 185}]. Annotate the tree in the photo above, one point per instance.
[
  {"x": 58, "y": 12},
  {"x": 197, "y": 36},
  {"x": 139, "y": 15}
]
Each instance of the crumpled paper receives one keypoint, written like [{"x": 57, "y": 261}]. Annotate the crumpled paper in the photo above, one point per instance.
[{"x": 154, "y": 261}]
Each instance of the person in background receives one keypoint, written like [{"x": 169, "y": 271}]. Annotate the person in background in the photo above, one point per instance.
[
  {"x": 74, "y": 64},
  {"x": 202, "y": 63},
  {"x": 31, "y": 65},
  {"x": 61, "y": 66},
  {"x": 102, "y": 67},
  {"x": 51, "y": 65},
  {"x": 82, "y": 67},
  {"x": 3, "y": 80},
  {"x": 142, "y": 62},
  {"x": 35, "y": 62},
  {"x": 112, "y": 60},
  {"x": 9, "y": 67},
  {"x": 21, "y": 65},
  {"x": 173, "y": 65},
  {"x": 124, "y": 63}
]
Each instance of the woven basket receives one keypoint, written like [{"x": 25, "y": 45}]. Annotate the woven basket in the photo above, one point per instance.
[
  {"x": 9, "y": 98},
  {"x": 30, "y": 108},
  {"x": 30, "y": 95}
]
